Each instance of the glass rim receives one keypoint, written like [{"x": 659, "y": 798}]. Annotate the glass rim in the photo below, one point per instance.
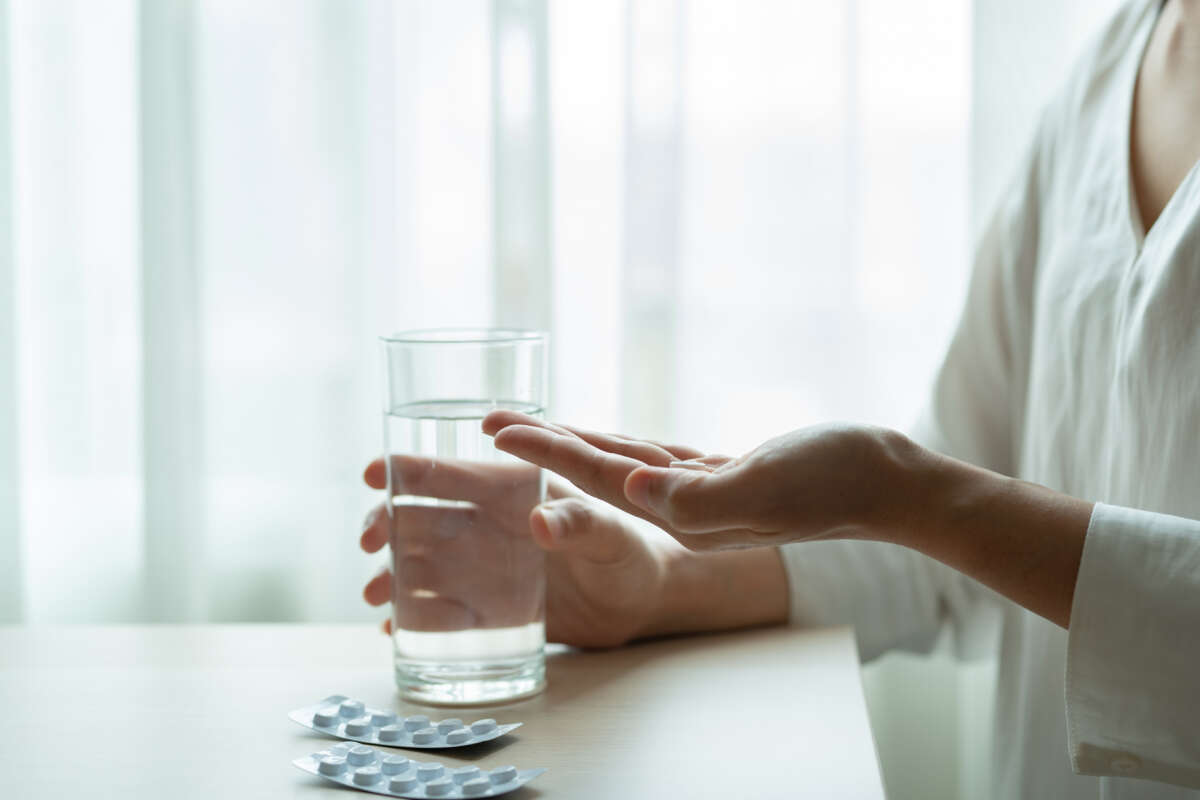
[{"x": 484, "y": 336}]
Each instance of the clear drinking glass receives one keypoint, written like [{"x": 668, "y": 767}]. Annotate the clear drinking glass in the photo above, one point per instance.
[{"x": 468, "y": 590}]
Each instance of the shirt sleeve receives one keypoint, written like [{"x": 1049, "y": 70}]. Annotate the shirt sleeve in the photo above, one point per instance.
[
  {"x": 896, "y": 597},
  {"x": 1133, "y": 648}
]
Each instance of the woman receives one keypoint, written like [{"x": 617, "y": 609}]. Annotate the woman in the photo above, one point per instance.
[{"x": 1076, "y": 368}]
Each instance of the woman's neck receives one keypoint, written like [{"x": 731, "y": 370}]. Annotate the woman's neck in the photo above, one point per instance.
[{"x": 1180, "y": 23}]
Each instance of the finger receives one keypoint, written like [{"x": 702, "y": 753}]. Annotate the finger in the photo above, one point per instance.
[
  {"x": 441, "y": 478},
  {"x": 419, "y": 607},
  {"x": 496, "y": 421},
  {"x": 573, "y": 525},
  {"x": 643, "y": 451},
  {"x": 710, "y": 463},
  {"x": 500, "y": 589},
  {"x": 415, "y": 522},
  {"x": 379, "y": 589},
  {"x": 375, "y": 530},
  {"x": 680, "y": 451},
  {"x": 712, "y": 460},
  {"x": 436, "y": 523},
  {"x": 375, "y": 475},
  {"x": 387, "y": 626},
  {"x": 696, "y": 465},
  {"x": 450, "y": 479},
  {"x": 598, "y": 472},
  {"x": 691, "y": 501}
]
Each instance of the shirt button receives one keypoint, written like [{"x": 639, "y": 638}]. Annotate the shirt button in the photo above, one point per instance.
[{"x": 1125, "y": 763}]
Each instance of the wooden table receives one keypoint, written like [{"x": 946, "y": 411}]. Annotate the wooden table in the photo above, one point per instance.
[{"x": 200, "y": 712}]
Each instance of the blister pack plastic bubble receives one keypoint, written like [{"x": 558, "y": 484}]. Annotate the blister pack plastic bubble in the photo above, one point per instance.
[
  {"x": 362, "y": 767},
  {"x": 347, "y": 718}
]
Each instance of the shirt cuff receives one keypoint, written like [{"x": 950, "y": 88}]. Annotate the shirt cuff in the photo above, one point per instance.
[{"x": 1133, "y": 649}]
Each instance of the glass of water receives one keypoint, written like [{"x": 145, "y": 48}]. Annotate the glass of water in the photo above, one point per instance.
[{"x": 468, "y": 587}]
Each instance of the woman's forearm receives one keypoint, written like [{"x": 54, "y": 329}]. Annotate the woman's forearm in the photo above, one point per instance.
[{"x": 1022, "y": 540}]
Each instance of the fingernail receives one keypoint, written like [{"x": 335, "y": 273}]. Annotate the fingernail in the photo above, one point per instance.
[
  {"x": 648, "y": 488},
  {"x": 554, "y": 523}
]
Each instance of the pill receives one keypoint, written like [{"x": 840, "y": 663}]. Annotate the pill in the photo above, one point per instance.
[
  {"x": 351, "y": 708},
  {"x": 358, "y": 727},
  {"x": 389, "y": 733},
  {"x": 365, "y": 776},
  {"x": 459, "y": 736},
  {"x": 425, "y": 736},
  {"x": 394, "y": 765},
  {"x": 381, "y": 718},
  {"x": 476, "y": 786},
  {"x": 483, "y": 726},
  {"x": 331, "y": 765},
  {"x": 326, "y": 717},
  {"x": 464, "y": 774},
  {"x": 341, "y": 748},
  {"x": 428, "y": 772},
  {"x": 360, "y": 755},
  {"x": 402, "y": 783},
  {"x": 415, "y": 723},
  {"x": 447, "y": 725},
  {"x": 439, "y": 787},
  {"x": 503, "y": 774}
]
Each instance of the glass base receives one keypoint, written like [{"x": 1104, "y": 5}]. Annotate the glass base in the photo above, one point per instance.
[{"x": 470, "y": 683}]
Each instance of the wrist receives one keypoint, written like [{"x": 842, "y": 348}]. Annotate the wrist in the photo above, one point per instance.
[
  {"x": 912, "y": 489},
  {"x": 1023, "y": 540},
  {"x": 717, "y": 590},
  {"x": 949, "y": 499},
  {"x": 680, "y": 596}
]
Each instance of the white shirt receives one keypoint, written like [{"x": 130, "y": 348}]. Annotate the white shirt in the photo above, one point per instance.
[{"x": 1077, "y": 366}]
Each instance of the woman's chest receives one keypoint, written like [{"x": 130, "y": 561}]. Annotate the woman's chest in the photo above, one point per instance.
[{"x": 1113, "y": 402}]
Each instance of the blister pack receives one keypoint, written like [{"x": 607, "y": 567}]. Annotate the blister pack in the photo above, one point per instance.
[
  {"x": 362, "y": 767},
  {"x": 346, "y": 718}
]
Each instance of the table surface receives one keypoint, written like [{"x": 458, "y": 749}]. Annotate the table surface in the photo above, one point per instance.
[{"x": 201, "y": 711}]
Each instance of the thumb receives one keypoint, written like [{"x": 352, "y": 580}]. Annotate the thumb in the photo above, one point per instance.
[
  {"x": 690, "y": 500},
  {"x": 572, "y": 525}
]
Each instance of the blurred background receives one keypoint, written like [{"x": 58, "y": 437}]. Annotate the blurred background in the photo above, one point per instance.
[{"x": 734, "y": 218}]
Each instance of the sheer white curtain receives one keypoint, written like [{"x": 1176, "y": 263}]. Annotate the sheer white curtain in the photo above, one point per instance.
[
  {"x": 766, "y": 203},
  {"x": 735, "y": 219},
  {"x": 197, "y": 268}
]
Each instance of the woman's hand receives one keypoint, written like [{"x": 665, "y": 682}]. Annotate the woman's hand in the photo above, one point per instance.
[
  {"x": 604, "y": 582},
  {"x": 828, "y": 482}
]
